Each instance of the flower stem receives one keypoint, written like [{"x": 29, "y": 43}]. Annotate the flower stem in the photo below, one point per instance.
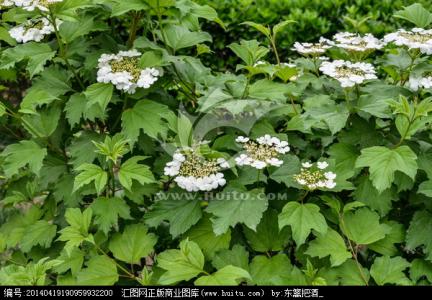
[{"x": 134, "y": 28}]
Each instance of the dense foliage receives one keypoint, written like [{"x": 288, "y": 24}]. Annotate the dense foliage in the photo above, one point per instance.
[{"x": 128, "y": 157}]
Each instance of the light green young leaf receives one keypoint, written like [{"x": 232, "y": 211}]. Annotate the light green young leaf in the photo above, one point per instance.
[
  {"x": 183, "y": 264},
  {"x": 228, "y": 275},
  {"x": 261, "y": 28},
  {"x": 420, "y": 268},
  {"x": 384, "y": 162},
  {"x": 302, "y": 218},
  {"x": 89, "y": 173},
  {"x": 22, "y": 154},
  {"x": 131, "y": 170},
  {"x": 77, "y": 232},
  {"x": 133, "y": 244}
]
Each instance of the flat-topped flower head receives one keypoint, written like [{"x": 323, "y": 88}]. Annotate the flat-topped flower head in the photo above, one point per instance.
[
  {"x": 263, "y": 152},
  {"x": 416, "y": 38},
  {"x": 314, "y": 176},
  {"x": 32, "y": 30},
  {"x": 194, "y": 173},
  {"x": 312, "y": 49},
  {"x": 6, "y": 3},
  {"x": 123, "y": 71},
  {"x": 348, "y": 73},
  {"x": 31, "y": 5},
  {"x": 353, "y": 42},
  {"x": 420, "y": 82}
]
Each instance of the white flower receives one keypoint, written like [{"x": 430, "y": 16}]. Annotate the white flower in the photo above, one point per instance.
[
  {"x": 416, "y": 38},
  {"x": 420, "y": 82},
  {"x": 258, "y": 164},
  {"x": 259, "y": 63},
  {"x": 32, "y": 30},
  {"x": 122, "y": 70},
  {"x": 261, "y": 152},
  {"x": 31, "y": 5},
  {"x": 322, "y": 165},
  {"x": 223, "y": 163},
  {"x": 195, "y": 173},
  {"x": 355, "y": 42},
  {"x": 313, "y": 176},
  {"x": 243, "y": 160},
  {"x": 313, "y": 49},
  {"x": 330, "y": 175},
  {"x": 242, "y": 139},
  {"x": 307, "y": 164},
  {"x": 274, "y": 162},
  {"x": 348, "y": 73}
]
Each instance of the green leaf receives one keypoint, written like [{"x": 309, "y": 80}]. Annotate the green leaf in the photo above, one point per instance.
[
  {"x": 99, "y": 93},
  {"x": 77, "y": 231},
  {"x": 302, "y": 218},
  {"x": 245, "y": 207},
  {"x": 425, "y": 188},
  {"x": 261, "y": 28},
  {"x": 330, "y": 243},
  {"x": 43, "y": 123},
  {"x": 100, "y": 270},
  {"x": 237, "y": 256},
  {"x": 2, "y": 109},
  {"x": 89, "y": 173},
  {"x": 40, "y": 233},
  {"x": 346, "y": 274},
  {"x": 386, "y": 246},
  {"x": 390, "y": 270},
  {"x": 37, "y": 55},
  {"x": 121, "y": 7},
  {"x": 179, "y": 37},
  {"x": 202, "y": 234},
  {"x": 267, "y": 236},
  {"x": 280, "y": 26},
  {"x": 249, "y": 51},
  {"x": 147, "y": 116},
  {"x": 268, "y": 90},
  {"x": 183, "y": 264},
  {"x": 345, "y": 156},
  {"x": 415, "y": 14},
  {"x": 418, "y": 233},
  {"x": 133, "y": 244},
  {"x": 384, "y": 162},
  {"x": 70, "y": 31},
  {"x": 72, "y": 261},
  {"x": 107, "y": 212},
  {"x": 276, "y": 270},
  {"x": 355, "y": 223},
  {"x": 369, "y": 195},
  {"x": 180, "y": 213},
  {"x": 284, "y": 174},
  {"x": 228, "y": 275},
  {"x": 420, "y": 268},
  {"x": 22, "y": 154},
  {"x": 130, "y": 170}
]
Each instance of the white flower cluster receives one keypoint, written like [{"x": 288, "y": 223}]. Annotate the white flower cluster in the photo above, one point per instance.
[
  {"x": 262, "y": 152},
  {"x": 355, "y": 42},
  {"x": 195, "y": 173},
  {"x": 314, "y": 176},
  {"x": 31, "y": 5},
  {"x": 348, "y": 73},
  {"x": 32, "y": 30},
  {"x": 123, "y": 71},
  {"x": 416, "y": 38},
  {"x": 313, "y": 49},
  {"x": 420, "y": 82}
]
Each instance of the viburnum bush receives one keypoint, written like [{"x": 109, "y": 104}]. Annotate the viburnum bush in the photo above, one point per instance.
[{"x": 126, "y": 160}]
